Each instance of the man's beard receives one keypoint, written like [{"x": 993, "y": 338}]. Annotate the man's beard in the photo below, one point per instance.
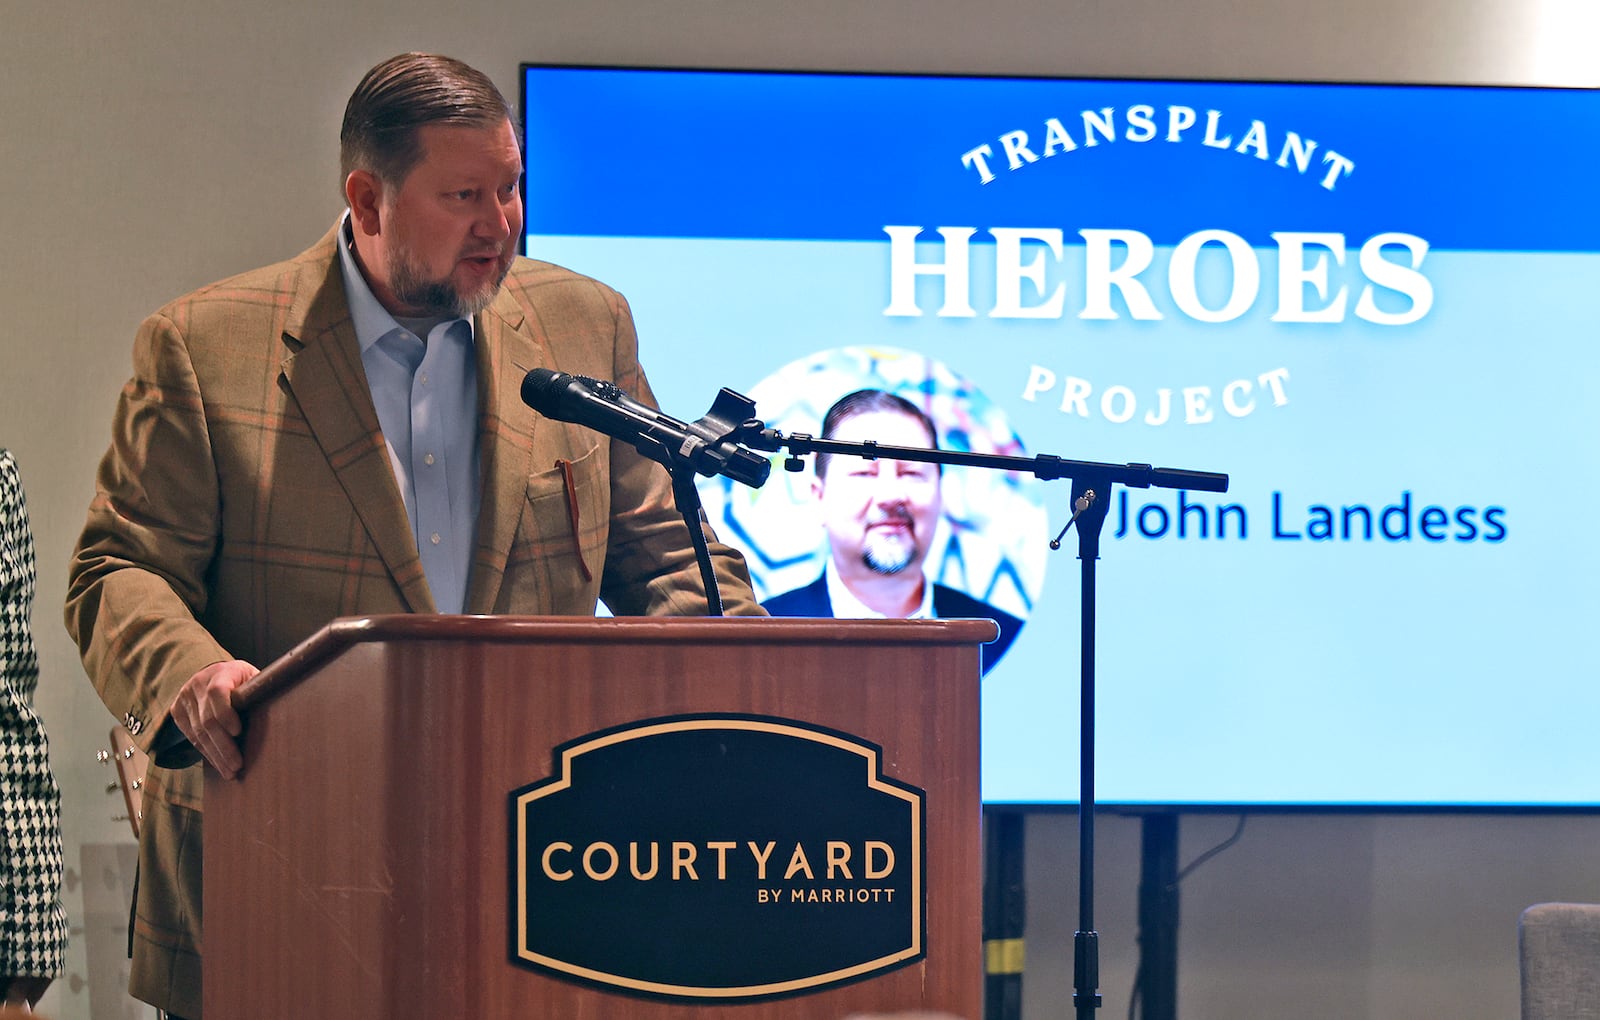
[
  {"x": 889, "y": 552},
  {"x": 436, "y": 297}
]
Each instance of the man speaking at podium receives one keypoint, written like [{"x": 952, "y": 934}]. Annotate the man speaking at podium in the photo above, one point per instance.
[{"x": 342, "y": 434}]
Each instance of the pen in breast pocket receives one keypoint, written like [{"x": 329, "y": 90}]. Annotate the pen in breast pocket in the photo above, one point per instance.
[{"x": 572, "y": 513}]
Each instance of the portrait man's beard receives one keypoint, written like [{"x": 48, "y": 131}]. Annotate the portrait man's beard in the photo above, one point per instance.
[
  {"x": 889, "y": 552},
  {"x": 437, "y": 297}
]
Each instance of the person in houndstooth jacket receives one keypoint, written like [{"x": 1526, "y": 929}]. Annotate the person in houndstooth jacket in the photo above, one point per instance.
[{"x": 33, "y": 925}]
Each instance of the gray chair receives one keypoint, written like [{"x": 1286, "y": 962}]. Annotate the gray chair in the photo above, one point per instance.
[{"x": 1558, "y": 947}]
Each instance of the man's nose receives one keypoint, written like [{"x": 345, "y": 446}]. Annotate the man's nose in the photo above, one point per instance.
[
  {"x": 494, "y": 220},
  {"x": 889, "y": 490}
]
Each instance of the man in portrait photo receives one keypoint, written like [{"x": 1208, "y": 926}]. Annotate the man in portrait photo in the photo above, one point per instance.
[{"x": 880, "y": 516}]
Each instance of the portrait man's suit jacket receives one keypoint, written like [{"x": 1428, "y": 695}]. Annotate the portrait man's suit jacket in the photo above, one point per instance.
[
  {"x": 247, "y": 499},
  {"x": 948, "y": 604}
]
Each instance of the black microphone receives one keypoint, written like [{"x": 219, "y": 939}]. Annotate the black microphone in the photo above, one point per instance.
[{"x": 604, "y": 407}]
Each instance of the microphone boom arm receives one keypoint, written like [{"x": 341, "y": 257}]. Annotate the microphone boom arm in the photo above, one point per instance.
[{"x": 757, "y": 436}]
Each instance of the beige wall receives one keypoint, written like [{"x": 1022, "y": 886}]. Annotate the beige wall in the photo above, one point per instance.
[{"x": 146, "y": 148}]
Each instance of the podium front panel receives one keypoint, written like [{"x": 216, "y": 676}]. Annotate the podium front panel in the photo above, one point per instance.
[{"x": 367, "y": 863}]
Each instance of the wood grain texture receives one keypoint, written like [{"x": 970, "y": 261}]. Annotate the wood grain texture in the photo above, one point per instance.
[{"x": 360, "y": 867}]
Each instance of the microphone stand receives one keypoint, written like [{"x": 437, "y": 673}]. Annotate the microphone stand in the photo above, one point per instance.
[
  {"x": 681, "y": 466},
  {"x": 700, "y": 448},
  {"x": 687, "y": 496},
  {"x": 1091, "y": 496}
]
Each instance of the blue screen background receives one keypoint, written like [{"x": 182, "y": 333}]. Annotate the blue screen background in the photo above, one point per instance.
[{"x": 743, "y": 216}]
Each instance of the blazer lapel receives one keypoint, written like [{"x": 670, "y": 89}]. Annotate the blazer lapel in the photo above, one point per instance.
[
  {"x": 323, "y": 371},
  {"x": 506, "y": 351}
]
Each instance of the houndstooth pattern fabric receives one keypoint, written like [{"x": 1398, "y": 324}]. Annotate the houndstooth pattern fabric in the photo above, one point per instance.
[{"x": 33, "y": 925}]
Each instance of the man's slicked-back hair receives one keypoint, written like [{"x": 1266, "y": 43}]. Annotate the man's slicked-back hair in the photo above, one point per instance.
[
  {"x": 861, "y": 402},
  {"x": 399, "y": 96}
]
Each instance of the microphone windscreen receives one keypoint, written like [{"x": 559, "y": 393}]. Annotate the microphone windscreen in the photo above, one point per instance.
[{"x": 542, "y": 389}]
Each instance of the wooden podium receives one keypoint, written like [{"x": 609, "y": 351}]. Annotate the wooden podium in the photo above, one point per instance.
[{"x": 363, "y": 865}]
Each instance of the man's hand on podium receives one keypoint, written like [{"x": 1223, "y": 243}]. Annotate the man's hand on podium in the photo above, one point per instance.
[{"x": 204, "y": 712}]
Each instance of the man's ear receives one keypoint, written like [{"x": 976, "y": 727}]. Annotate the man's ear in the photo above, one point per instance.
[
  {"x": 364, "y": 193},
  {"x": 816, "y": 487}
]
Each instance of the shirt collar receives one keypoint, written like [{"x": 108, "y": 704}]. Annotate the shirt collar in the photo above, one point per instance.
[
  {"x": 372, "y": 321},
  {"x": 847, "y": 607}
]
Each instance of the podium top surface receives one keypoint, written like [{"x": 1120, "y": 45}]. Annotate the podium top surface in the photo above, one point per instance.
[{"x": 347, "y": 632}]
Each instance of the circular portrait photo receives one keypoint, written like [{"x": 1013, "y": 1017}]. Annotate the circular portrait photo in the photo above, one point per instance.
[{"x": 846, "y": 536}]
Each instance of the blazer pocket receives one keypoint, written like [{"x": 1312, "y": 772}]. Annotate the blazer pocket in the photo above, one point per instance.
[{"x": 566, "y": 522}]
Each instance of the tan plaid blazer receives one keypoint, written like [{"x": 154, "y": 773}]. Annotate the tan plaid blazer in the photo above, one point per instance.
[{"x": 247, "y": 499}]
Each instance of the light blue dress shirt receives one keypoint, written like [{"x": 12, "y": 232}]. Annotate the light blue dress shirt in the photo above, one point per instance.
[{"x": 426, "y": 393}]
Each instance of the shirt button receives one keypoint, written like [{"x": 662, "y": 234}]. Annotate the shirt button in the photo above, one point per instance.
[
  {"x": 434, "y": 538},
  {"x": 423, "y": 378},
  {"x": 428, "y": 459}
]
